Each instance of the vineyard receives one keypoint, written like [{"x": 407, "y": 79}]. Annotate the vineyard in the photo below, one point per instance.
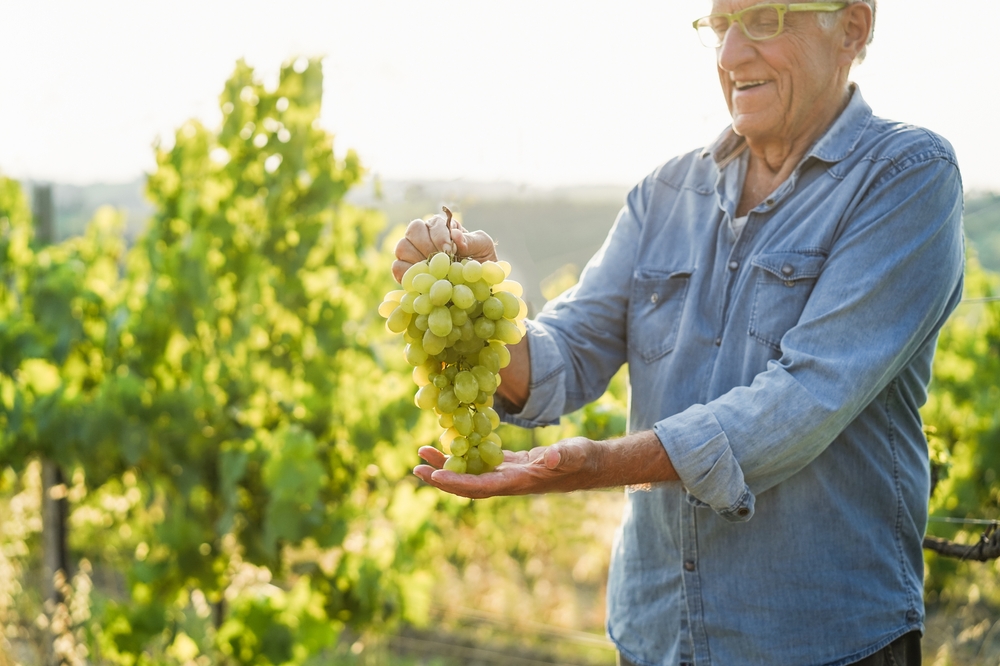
[{"x": 207, "y": 436}]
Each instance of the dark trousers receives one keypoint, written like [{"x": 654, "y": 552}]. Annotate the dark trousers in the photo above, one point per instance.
[{"x": 904, "y": 651}]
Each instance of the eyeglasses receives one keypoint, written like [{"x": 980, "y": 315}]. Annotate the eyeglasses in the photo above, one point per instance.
[{"x": 758, "y": 22}]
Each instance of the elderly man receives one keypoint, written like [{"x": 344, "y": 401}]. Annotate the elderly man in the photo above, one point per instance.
[{"x": 777, "y": 296}]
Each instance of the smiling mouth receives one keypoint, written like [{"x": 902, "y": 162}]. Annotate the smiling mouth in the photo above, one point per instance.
[{"x": 746, "y": 85}]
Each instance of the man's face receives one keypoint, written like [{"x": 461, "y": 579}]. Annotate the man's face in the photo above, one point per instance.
[{"x": 778, "y": 89}]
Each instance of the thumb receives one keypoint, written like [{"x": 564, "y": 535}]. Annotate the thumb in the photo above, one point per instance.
[{"x": 474, "y": 244}]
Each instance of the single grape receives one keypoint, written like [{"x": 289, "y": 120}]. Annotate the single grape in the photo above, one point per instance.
[
  {"x": 411, "y": 272},
  {"x": 490, "y": 453},
  {"x": 459, "y": 446},
  {"x": 440, "y": 263},
  {"x": 440, "y": 292},
  {"x": 492, "y": 273},
  {"x": 511, "y": 303},
  {"x": 507, "y": 332},
  {"x": 481, "y": 290},
  {"x": 398, "y": 321},
  {"x": 439, "y": 321},
  {"x": 493, "y": 308},
  {"x": 485, "y": 328},
  {"x": 387, "y": 307},
  {"x": 422, "y": 283},
  {"x": 466, "y": 387},
  {"x": 457, "y": 464},
  {"x": 433, "y": 344},
  {"x": 427, "y": 396},
  {"x": 511, "y": 286},
  {"x": 414, "y": 354},
  {"x": 481, "y": 424},
  {"x": 463, "y": 421},
  {"x": 489, "y": 359},
  {"x": 448, "y": 402},
  {"x": 407, "y": 301},
  {"x": 472, "y": 271},
  {"x": 458, "y": 315},
  {"x": 441, "y": 381},
  {"x": 462, "y": 296},
  {"x": 485, "y": 379},
  {"x": 421, "y": 324},
  {"x": 445, "y": 420},
  {"x": 492, "y": 416},
  {"x": 455, "y": 273},
  {"x": 505, "y": 266}
]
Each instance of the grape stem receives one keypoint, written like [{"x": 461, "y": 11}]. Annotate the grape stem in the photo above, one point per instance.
[{"x": 447, "y": 226}]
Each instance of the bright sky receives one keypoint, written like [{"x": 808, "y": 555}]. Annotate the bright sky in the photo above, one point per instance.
[{"x": 543, "y": 92}]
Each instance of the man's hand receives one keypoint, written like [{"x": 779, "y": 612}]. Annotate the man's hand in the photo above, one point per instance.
[
  {"x": 424, "y": 238},
  {"x": 577, "y": 463},
  {"x": 563, "y": 467}
]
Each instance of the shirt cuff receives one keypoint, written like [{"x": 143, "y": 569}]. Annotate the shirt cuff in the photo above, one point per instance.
[
  {"x": 700, "y": 452},
  {"x": 547, "y": 390}
]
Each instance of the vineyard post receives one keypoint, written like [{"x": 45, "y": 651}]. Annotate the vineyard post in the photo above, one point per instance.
[{"x": 54, "y": 503}]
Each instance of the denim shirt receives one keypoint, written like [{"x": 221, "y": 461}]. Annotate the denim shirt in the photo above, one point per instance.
[{"x": 782, "y": 370}]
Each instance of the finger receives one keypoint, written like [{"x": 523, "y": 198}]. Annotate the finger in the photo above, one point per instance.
[
  {"x": 419, "y": 237},
  {"x": 476, "y": 244},
  {"x": 432, "y": 456},
  {"x": 440, "y": 234},
  {"x": 424, "y": 472},
  {"x": 399, "y": 268},
  {"x": 407, "y": 250}
]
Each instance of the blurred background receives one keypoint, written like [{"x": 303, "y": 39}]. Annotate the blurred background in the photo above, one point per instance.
[{"x": 204, "y": 425}]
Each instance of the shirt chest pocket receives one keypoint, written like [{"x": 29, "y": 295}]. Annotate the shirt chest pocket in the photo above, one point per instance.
[
  {"x": 784, "y": 281},
  {"x": 654, "y": 312}
]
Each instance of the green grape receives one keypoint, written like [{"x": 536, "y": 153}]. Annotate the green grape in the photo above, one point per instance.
[
  {"x": 502, "y": 351},
  {"x": 490, "y": 453},
  {"x": 411, "y": 272},
  {"x": 414, "y": 354},
  {"x": 407, "y": 302},
  {"x": 507, "y": 332},
  {"x": 474, "y": 438},
  {"x": 448, "y": 401},
  {"x": 433, "y": 344},
  {"x": 493, "y": 417},
  {"x": 469, "y": 347},
  {"x": 489, "y": 359},
  {"x": 440, "y": 380},
  {"x": 485, "y": 379},
  {"x": 454, "y": 336},
  {"x": 427, "y": 396},
  {"x": 468, "y": 330},
  {"x": 439, "y": 321},
  {"x": 458, "y": 315},
  {"x": 459, "y": 446},
  {"x": 423, "y": 282},
  {"x": 492, "y": 273},
  {"x": 472, "y": 271},
  {"x": 445, "y": 420},
  {"x": 422, "y": 304},
  {"x": 462, "y": 296},
  {"x": 474, "y": 462},
  {"x": 386, "y": 308},
  {"x": 440, "y": 292},
  {"x": 463, "y": 421},
  {"x": 466, "y": 387},
  {"x": 450, "y": 372},
  {"x": 440, "y": 263},
  {"x": 493, "y": 308},
  {"x": 492, "y": 437},
  {"x": 511, "y": 286},
  {"x": 481, "y": 290},
  {"x": 448, "y": 436},
  {"x": 484, "y": 328},
  {"x": 481, "y": 424},
  {"x": 457, "y": 464},
  {"x": 398, "y": 321},
  {"x": 456, "y": 273},
  {"x": 511, "y": 304},
  {"x": 421, "y": 324}
]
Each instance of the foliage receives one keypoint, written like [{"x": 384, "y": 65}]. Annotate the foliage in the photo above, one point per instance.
[
  {"x": 962, "y": 416},
  {"x": 221, "y": 394}
]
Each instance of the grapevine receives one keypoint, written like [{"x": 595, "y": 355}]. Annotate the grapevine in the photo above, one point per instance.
[{"x": 457, "y": 317}]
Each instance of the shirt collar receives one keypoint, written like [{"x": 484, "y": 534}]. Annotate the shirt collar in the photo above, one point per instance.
[{"x": 836, "y": 144}]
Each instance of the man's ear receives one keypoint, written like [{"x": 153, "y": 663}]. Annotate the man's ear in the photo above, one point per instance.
[{"x": 856, "y": 24}]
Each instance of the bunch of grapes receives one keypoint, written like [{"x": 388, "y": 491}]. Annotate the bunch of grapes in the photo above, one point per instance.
[{"x": 457, "y": 318}]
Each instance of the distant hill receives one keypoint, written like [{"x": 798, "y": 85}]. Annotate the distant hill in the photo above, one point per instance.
[{"x": 547, "y": 234}]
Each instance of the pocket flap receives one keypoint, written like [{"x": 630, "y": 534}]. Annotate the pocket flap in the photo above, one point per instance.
[{"x": 790, "y": 265}]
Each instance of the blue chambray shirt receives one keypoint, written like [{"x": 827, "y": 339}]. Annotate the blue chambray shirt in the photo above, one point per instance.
[{"x": 782, "y": 371}]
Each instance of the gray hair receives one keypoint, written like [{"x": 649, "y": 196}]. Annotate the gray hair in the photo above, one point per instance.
[{"x": 827, "y": 20}]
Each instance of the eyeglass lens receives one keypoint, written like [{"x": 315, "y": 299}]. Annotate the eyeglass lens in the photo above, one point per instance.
[{"x": 759, "y": 22}]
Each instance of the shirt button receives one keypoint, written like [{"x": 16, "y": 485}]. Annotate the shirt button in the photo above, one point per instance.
[
  {"x": 742, "y": 512},
  {"x": 718, "y": 342},
  {"x": 770, "y": 202},
  {"x": 787, "y": 269},
  {"x": 733, "y": 265},
  {"x": 655, "y": 297},
  {"x": 689, "y": 565}
]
